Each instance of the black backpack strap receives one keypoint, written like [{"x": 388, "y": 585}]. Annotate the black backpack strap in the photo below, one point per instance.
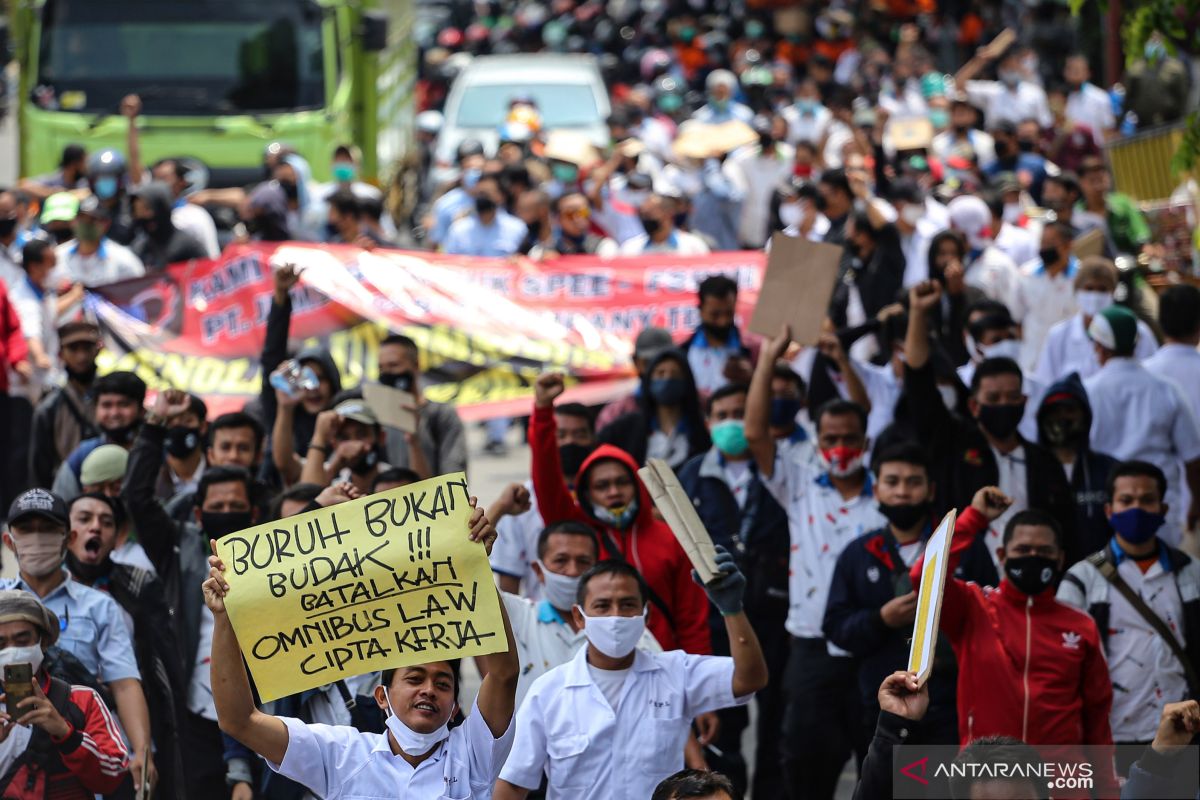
[
  {"x": 1108, "y": 570},
  {"x": 651, "y": 595}
]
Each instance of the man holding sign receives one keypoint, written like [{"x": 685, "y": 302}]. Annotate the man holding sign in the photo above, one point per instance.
[{"x": 419, "y": 757}]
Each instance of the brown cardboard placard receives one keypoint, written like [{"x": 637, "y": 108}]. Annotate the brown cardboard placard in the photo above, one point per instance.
[
  {"x": 1088, "y": 244},
  {"x": 673, "y": 503},
  {"x": 392, "y": 406},
  {"x": 796, "y": 288}
]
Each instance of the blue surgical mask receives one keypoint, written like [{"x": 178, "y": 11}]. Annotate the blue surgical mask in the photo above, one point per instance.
[
  {"x": 939, "y": 118},
  {"x": 730, "y": 437},
  {"x": 106, "y": 187},
  {"x": 471, "y": 177},
  {"x": 784, "y": 410},
  {"x": 1136, "y": 525},
  {"x": 620, "y": 518},
  {"x": 668, "y": 391}
]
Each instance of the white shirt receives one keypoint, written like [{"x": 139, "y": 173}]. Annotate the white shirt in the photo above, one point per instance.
[
  {"x": 1145, "y": 673},
  {"x": 883, "y": 390},
  {"x": 681, "y": 243},
  {"x": 1179, "y": 363},
  {"x": 111, "y": 263},
  {"x": 1069, "y": 349},
  {"x": 515, "y": 549},
  {"x": 1091, "y": 106},
  {"x": 916, "y": 250},
  {"x": 738, "y": 477},
  {"x": 1014, "y": 482},
  {"x": 336, "y": 761},
  {"x": 1017, "y": 243},
  {"x": 1137, "y": 414},
  {"x": 589, "y": 751},
  {"x": 545, "y": 641},
  {"x": 707, "y": 360},
  {"x": 976, "y": 142},
  {"x": 1026, "y": 101},
  {"x": 994, "y": 274},
  {"x": 199, "y": 223},
  {"x": 199, "y": 693},
  {"x": 807, "y": 126},
  {"x": 821, "y": 523},
  {"x": 757, "y": 177},
  {"x": 1041, "y": 300}
]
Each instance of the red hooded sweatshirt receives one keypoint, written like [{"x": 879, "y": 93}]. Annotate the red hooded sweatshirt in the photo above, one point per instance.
[
  {"x": 1028, "y": 667},
  {"x": 648, "y": 544}
]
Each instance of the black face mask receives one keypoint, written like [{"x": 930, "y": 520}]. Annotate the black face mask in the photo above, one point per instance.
[
  {"x": 1048, "y": 255},
  {"x": 88, "y": 573},
  {"x": 365, "y": 463},
  {"x": 219, "y": 524},
  {"x": 1001, "y": 420},
  {"x": 821, "y": 203},
  {"x": 652, "y": 226},
  {"x": 122, "y": 435},
  {"x": 1064, "y": 432},
  {"x": 181, "y": 441},
  {"x": 253, "y": 225},
  {"x": 766, "y": 141},
  {"x": 572, "y": 456},
  {"x": 720, "y": 333},
  {"x": 1026, "y": 145},
  {"x": 484, "y": 204},
  {"x": 1031, "y": 574},
  {"x": 290, "y": 190},
  {"x": 1003, "y": 149},
  {"x": 399, "y": 380},
  {"x": 904, "y": 516},
  {"x": 84, "y": 377},
  {"x": 7, "y": 226},
  {"x": 62, "y": 235}
]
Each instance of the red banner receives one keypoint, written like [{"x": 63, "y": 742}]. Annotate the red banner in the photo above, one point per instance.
[{"x": 486, "y": 327}]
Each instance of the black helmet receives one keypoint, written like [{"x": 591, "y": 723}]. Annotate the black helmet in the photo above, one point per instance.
[
  {"x": 469, "y": 147},
  {"x": 106, "y": 162}
]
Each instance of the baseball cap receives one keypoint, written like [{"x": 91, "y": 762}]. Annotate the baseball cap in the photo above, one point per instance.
[
  {"x": 106, "y": 463},
  {"x": 1115, "y": 329},
  {"x": 73, "y": 332},
  {"x": 60, "y": 207},
  {"x": 357, "y": 410},
  {"x": 38, "y": 503},
  {"x": 21, "y": 606},
  {"x": 651, "y": 342},
  {"x": 91, "y": 206}
]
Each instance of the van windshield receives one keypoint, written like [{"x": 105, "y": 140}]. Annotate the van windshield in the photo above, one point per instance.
[
  {"x": 562, "y": 105},
  {"x": 181, "y": 56}
]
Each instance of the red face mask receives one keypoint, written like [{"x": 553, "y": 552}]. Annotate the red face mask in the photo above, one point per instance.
[
  {"x": 803, "y": 171},
  {"x": 842, "y": 461}
]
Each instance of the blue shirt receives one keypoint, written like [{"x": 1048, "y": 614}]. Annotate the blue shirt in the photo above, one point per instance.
[
  {"x": 91, "y": 627},
  {"x": 470, "y": 237},
  {"x": 446, "y": 209}
]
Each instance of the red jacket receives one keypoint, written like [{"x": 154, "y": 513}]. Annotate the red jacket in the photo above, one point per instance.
[
  {"x": 649, "y": 545},
  {"x": 88, "y": 761},
  {"x": 1028, "y": 667},
  {"x": 12, "y": 341}
]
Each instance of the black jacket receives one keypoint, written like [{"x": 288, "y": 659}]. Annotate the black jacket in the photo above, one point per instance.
[
  {"x": 879, "y": 279},
  {"x": 162, "y": 243},
  {"x": 61, "y": 421},
  {"x": 1089, "y": 479},
  {"x": 963, "y": 462}
]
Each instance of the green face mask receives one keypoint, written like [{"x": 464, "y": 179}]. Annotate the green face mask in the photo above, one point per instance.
[
  {"x": 564, "y": 173},
  {"x": 344, "y": 172},
  {"x": 730, "y": 437},
  {"x": 86, "y": 231}
]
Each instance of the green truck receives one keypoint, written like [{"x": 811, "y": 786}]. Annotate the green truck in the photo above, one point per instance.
[{"x": 219, "y": 80}]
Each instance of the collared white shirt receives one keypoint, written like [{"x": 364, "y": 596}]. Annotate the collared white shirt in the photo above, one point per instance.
[
  {"x": 1017, "y": 243},
  {"x": 994, "y": 274},
  {"x": 336, "y": 761},
  {"x": 1014, "y": 482},
  {"x": 915, "y": 247},
  {"x": 545, "y": 640},
  {"x": 1137, "y": 414},
  {"x": 707, "y": 361},
  {"x": 1068, "y": 349},
  {"x": 1145, "y": 673},
  {"x": 976, "y": 142},
  {"x": 1091, "y": 106},
  {"x": 758, "y": 176},
  {"x": 112, "y": 262},
  {"x": 515, "y": 549},
  {"x": 1040, "y": 300},
  {"x": 821, "y": 523},
  {"x": 883, "y": 390},
  {"x": 807, "y": 126},
  {"x": 1025, "y": 101},
  {"x": 567, "y": 729},
  {"x": 1179, "y": 363}
]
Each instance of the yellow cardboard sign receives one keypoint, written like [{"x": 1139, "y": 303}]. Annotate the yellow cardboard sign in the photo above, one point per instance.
[
  {"x": 385, "y": 581},
  {"x": 929, "y": 598}
]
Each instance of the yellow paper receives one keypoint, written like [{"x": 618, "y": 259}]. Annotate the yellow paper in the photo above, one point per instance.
[
  {"x": 929, "y": 599},
  {"x": 385, "y": 581}
]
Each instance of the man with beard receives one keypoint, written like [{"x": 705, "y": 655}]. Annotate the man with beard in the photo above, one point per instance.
[
  {"x": 224, "y": 505},
  {"x": 345, "y": 446},
  {"x": 95, "y": 520},
  {"x": 65, "y": 417},
  {"x": 119, "y": 397}
]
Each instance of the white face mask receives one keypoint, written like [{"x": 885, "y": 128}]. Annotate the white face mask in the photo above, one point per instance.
[
  {"x": 790, "y": 214},
  {"x": 411, "y": 742},
  {"x": 949, "y": 396},
  {"x": 1012, "y": 213},
  {"x": 1092, "y": 303},
  {"x": 615, "y": 637},
  {"x": 1009, "y": 348},
  {"x": 560, "y": 590},
  {"x": 31, "y": 655},
  {"x": 912, "y": 214}
]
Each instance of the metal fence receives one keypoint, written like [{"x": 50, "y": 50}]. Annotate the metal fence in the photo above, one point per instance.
[{"x": 1141, "y": 164}]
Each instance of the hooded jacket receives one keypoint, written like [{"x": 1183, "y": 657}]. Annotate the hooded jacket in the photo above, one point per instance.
[
  {"x": 162, "y": 243},
  {"x": 648, "y": 544},
  {"x": 1029, "y": 667},
  {"x": 1089, "y": 478},
  {"x": 631, "y": 432}
]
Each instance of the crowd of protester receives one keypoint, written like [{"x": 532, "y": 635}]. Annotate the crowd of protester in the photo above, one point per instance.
[{"x": 971, "y": 360}]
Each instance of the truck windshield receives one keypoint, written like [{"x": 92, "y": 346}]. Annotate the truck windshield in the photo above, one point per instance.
[
  {"x": 562, "y": 105},
  {"x": 181, "y": 56}
]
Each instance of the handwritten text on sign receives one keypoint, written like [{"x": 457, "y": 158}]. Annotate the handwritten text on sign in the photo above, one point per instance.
[{"x": 381, "y": 582}]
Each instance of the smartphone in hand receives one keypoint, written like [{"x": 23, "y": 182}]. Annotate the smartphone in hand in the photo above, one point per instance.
[{"x": 18, "y": 685}]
